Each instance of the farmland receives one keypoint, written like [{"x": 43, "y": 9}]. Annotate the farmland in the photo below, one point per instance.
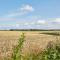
[{"x": 34, "y": 41}]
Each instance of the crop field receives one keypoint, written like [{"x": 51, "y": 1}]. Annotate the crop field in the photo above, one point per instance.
[{"x": 35, "y": 41}]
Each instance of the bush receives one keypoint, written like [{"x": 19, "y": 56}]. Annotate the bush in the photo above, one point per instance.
[{"x": 52, "y": 52}]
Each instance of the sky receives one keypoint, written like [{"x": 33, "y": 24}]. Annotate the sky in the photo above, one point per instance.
[{"x": 29, "y": 14}]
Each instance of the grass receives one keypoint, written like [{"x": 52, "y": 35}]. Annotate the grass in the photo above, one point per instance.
[
  {"x": 33, "y": 41},
  {"x": 51, "y": 52}
]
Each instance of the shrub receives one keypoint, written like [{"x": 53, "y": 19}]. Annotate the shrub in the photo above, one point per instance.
[{"x": 52, "y": 52}]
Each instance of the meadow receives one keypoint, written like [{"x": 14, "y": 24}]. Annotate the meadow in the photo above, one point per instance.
[{"x": 35, "y": 41}]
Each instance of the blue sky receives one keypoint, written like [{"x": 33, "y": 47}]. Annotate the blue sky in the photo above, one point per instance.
[{"x": 39, "y": 14}]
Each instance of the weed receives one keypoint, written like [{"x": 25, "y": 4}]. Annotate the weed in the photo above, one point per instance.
[{"x": 17, "y": 49}]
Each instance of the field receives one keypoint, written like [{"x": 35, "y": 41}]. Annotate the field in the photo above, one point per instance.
[{"x": 34, "y": 41}]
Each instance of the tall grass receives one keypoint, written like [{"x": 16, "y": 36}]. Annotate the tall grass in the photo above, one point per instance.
[{"x": 51, "y": 52}]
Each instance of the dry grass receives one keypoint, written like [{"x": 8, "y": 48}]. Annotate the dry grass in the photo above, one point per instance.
[{"x": 34, "y": 41}]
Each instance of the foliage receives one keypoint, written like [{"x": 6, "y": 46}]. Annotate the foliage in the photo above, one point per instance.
[
  {"x": 17, "y": 49},
  {"x": 52, "y": 52}
]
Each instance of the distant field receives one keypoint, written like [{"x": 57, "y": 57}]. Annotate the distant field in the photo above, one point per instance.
[{"x": 33, "y": 40}]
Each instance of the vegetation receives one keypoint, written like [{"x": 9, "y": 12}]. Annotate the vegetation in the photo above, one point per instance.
[
  {"x": 51, "y": 52},
  {"x": 34, "y": 30},
  {"x": 51, "y": 33},
  {"x": 17, "y": 49}
]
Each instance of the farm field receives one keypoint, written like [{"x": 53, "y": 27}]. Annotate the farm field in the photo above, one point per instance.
[{"x": 34, "y": 41}]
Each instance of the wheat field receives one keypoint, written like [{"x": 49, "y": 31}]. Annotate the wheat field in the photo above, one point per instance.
[{"x": 34, "y": 41}]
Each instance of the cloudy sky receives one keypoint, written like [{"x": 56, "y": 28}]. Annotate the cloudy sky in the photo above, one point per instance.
[{"x": 26, "y": 14}]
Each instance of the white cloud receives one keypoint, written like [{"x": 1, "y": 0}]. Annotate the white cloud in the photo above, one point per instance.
[
  {"x": 57, "y": 20},
  {"x": 26, "y": 23},
  {"x": 41, "y": 22},
  {"x": 14, "y": 14},
  {"x": 7, "y": 19},
  {"x": 54, "y": 21},
  {"x": 38, "y": 22},
  {"x": 19, "y": 11},
  {"x": 29, "y": 23},
  {"x": 32, "y": 23},
  {"x": 17, "y": 25},
  {"x": 27, "y": 8}
]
